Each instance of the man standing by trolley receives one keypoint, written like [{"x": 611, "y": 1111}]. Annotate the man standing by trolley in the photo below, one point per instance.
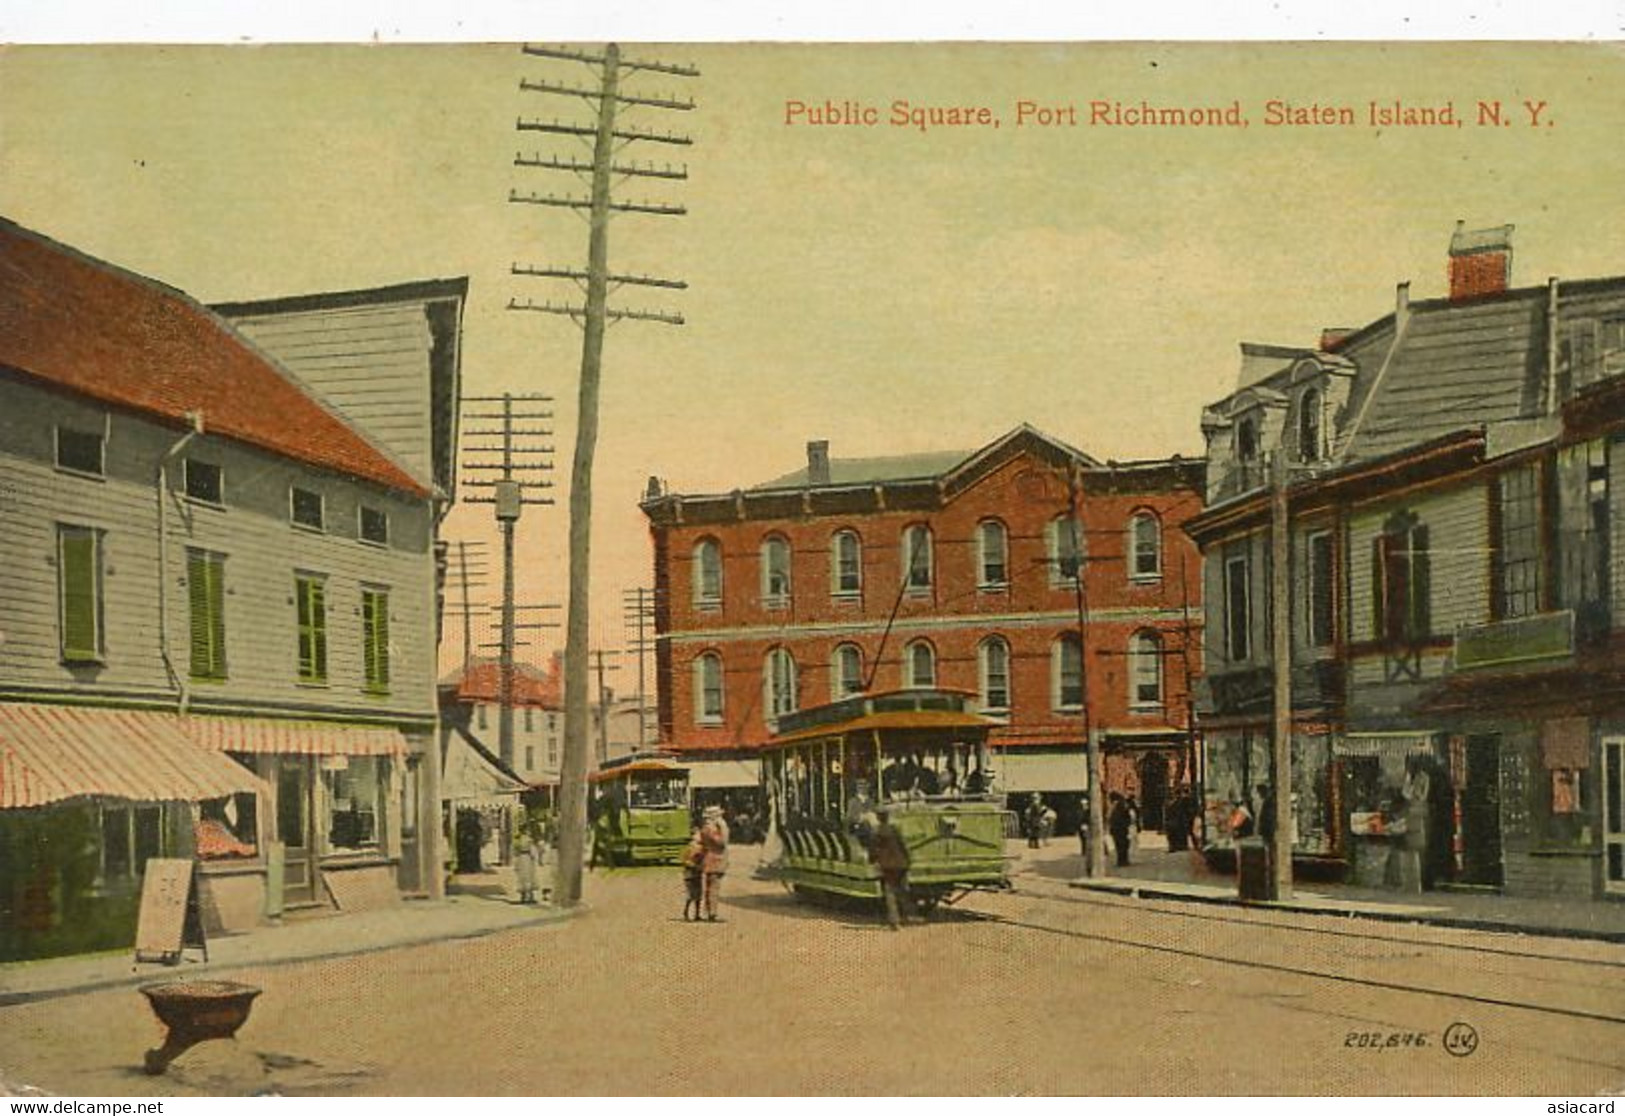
[
  {"x": 714, "y": 838},
  {"x": 890, "y": 854}
]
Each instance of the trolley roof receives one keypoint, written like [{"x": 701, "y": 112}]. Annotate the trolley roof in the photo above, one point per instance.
[
  {"x": 628, "y": 766},
  {"x": 894, "y": 710}
]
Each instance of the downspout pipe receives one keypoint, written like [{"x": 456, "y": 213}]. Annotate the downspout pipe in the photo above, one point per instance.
[{"x": 177, "y": 680}]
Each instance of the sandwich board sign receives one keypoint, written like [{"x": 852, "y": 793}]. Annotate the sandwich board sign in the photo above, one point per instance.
[{"x": 170, "y": 920}]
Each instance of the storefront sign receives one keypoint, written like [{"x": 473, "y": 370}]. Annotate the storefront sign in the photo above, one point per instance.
[
  {"x": 170, "y": 920},
  {"x": 1550, "y": 635}
]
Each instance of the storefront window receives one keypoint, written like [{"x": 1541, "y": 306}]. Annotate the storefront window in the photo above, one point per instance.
[
  {"x": 227, "y": 827},
  {"x": 353, "y": 799},
  {"x": 131, "y": 835}
]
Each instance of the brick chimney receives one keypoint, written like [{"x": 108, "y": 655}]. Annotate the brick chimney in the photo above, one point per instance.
[
  {"x": 1480, "y": 261},
  {"x": 1333, "y": 336},
  {"x": 817, "y": 462}
]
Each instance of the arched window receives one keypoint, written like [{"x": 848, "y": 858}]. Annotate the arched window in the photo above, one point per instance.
[
  {"x": 1066, "y": 670},
  {"x": 1145, "y": 670},
  {"x": 708, "y": 689},
  {"x": 846, "y": 564},
  {"x": 775, "y": 571},
  {"x": 919, "y": 665},
  {"x": 1065, "y": 539},
  {"x": 1247, "y": 439},
  {"x": 917, "y": 556},
  {"x": 846, "y": 671},
  {"x": 708, "y": 572},
  {"x": 1310, "y": 447},
  {"x": 993, "y": 665},
  {"x": 992, "y": 554},
  {"x": 1145, "y": 547},
  {"x": 778, "y": 684}
]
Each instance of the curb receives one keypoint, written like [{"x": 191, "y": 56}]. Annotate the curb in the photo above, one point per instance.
[
  {"x": 563, "y": 914},
  {"x": 1376, "y": 914}
]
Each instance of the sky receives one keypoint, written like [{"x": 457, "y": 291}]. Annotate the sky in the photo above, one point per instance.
[{"x": 885, "y": 288}]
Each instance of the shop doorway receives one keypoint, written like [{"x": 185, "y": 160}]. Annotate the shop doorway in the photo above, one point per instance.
[
  {"x": 1613, "y": 793},
  {"x": 295, "y": 828},
  {"x": 1154, "y": 791},
  {"x": 1481, "y": 813}
]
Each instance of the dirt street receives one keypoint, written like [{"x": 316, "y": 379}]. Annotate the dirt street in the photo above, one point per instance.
[{"x": 1038, "y": 992}]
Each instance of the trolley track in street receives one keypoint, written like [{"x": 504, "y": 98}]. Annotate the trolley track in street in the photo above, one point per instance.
[
  {"x": 1303, "y": 971},
  {"x": 1140, "y": 906}
]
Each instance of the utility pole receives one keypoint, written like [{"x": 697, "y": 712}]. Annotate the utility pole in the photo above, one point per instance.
[
  {"x": 1281, "y": 656},
  {"x": 638, "y": 610},
  {"x": 603, "y": 704},
  {"x": 468, "y": 568},
  {"x": 509, "y": 458},
  {"x": 1096, "y": 866},
  {"x": 593, "y": 317}
]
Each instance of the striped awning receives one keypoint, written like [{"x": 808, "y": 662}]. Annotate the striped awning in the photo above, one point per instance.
[
  {"x": 53, "y": 753},
  {"x": 267, "y": 736}
]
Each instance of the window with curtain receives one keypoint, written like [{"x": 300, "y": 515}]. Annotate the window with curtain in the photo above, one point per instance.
[
  {"x": 920, "y": 665},
  {"x": 775, "y": 571},
  {"x": 708, "y": 572},
  {"x": 1145, "y": 670},
  {"x": 846, "y": 557},
  {"x": 993, "y": 554},
  {"x": 708, "y": 688},
  {"x": 993, "y": 659}
]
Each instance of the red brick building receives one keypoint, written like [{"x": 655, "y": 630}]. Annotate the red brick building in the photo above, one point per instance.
[{"x": 953, "y": 570}]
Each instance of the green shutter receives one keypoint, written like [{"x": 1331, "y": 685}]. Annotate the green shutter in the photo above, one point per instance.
[
  {"x": 206, "y": 594},
  {"x": 375, "y": 624},
  {"x": 311, "y": 599},
  {"x": 77, "y": 582}
]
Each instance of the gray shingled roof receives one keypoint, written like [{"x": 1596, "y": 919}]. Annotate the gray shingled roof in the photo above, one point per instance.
[
  {"x": 1459, "y": 365},
  {"x": 875, "y": 470}
]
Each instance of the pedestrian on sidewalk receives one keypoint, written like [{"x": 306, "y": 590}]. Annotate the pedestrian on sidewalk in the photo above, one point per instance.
[
  {"x": 889, "y": 852},
  {"x": 1083, "y": 832},
  {"x": 693, "y": 876},
  {"x": 714, "y": 837},
  {"x": 527, "y": 859},
  {"x": 1034, "y": 817},
  {"x": 1122, "y": 826}
]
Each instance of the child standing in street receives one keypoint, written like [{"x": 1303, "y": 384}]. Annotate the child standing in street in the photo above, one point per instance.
[{"x": 693, "y": 876}]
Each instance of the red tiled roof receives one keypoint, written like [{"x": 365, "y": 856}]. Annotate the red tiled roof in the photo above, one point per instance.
[
  {"x": 482, "y": 682},
  {"x": 80, "y": 324}
]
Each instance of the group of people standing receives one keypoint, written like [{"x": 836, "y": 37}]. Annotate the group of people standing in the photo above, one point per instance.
[{"x": 705, "y": 862}]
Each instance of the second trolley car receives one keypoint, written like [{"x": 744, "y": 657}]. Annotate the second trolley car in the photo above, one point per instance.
[
  {"x": 640, "y": 812},
  {"x": 920, "y": 755}
]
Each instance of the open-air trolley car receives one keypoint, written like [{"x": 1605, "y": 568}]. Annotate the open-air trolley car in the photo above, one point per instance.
[
  {"x": 640, "y": 811},
  {"x": 921, "y": 755}
]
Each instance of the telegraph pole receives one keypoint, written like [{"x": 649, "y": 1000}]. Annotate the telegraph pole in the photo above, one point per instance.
[
  {"x": 1281, "y": 656},
  {"x": 638, "y": 610},
  {"x": 593, "y": 317},
  {"x": 508, "y": 457},
  {"x": 468, "y": 567},
  {"x": 1096, "y": 866},
  {"x": 603, "y": 703}
]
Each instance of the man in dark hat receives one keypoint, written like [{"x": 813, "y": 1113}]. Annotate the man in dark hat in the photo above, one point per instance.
[{"x": 889, "y": 852}]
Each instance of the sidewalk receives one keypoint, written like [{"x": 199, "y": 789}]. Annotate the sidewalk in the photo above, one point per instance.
[
  {"x": 485, "y": 906},
  {"x": 1159, "y": 874}
]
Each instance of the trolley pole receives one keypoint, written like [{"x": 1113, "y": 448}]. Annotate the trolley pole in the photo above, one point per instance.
[{"x": 1281, "y": 655}]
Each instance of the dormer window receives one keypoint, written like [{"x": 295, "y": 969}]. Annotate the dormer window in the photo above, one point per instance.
[
  {"x": 1247, "y": 439},
  {"x": 1310, "y": 444}
]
